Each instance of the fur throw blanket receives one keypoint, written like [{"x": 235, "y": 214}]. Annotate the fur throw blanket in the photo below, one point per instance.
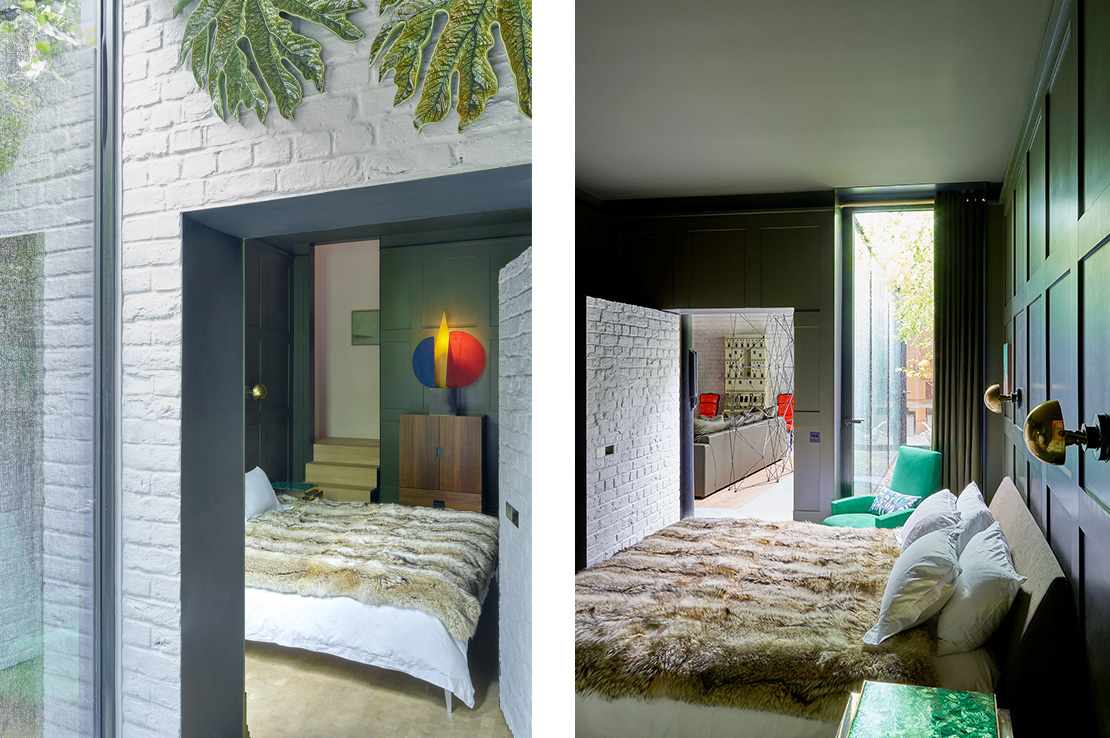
[
  {"x": 418, "y": 558},
  {"x": 744, "y": 613}
]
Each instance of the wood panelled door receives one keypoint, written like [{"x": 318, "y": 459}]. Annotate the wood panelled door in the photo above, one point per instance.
[{"x": 268, "y": 335}]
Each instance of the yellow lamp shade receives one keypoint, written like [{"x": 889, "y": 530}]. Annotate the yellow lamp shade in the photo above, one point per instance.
[{"x": 443, "y": 344}]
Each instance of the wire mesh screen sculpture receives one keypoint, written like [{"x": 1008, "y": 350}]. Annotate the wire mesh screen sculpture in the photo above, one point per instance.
[{"x": 759, "y": 372}]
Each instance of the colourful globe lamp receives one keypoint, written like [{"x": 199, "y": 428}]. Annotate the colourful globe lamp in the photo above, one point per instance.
[{"x": 448, "y": 359}]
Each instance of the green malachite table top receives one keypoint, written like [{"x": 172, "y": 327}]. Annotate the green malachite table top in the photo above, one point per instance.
[{"x": 901, "y": 711}]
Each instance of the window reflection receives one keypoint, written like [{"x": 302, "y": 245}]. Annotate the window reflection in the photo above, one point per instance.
[{"x": 47, "y": 109}]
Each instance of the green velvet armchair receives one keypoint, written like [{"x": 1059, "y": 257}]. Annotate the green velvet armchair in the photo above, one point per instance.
[{"x": 916, "y": 472}]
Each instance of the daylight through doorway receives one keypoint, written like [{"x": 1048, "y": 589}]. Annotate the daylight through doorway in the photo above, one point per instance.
[{"x": 744, "y": 428}]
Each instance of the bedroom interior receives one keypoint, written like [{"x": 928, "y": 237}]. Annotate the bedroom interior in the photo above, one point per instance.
[
  {"x": 340, "y": 639},
  {"x": 704, "y": 226}
]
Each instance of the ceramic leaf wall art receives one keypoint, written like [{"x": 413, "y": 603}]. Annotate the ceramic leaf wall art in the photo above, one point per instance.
[
  {"x": 243, "y": 48},
  {"x": 462, "y": 48},
  {"x": 245, "y": 51}
]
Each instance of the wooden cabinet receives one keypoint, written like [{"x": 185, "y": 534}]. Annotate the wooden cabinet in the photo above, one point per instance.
[{"x": 441, "y": 460}]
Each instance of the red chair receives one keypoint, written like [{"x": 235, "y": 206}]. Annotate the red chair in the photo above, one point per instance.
[
  {"x": 786, "y": 410},
  {"x": 708, "y": 403}
]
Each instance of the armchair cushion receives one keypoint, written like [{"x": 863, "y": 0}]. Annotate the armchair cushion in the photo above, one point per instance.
[
  {"x": 916, "y": 471},
  {"x": 894, "y": 519},
  {"x": 845, "y": 505},
  {"x": 852, "y": 520}
]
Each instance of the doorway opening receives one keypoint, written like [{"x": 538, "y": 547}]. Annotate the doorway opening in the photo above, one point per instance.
[
  {"x": 744, "y": 427},
  {"x": 892, "y": 349},
  {"x": 346, "y": 438},
  {"x": 470, "y": 225}
]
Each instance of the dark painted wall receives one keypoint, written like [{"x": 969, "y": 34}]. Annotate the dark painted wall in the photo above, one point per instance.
[
  {"x": 710, "y": 253},
  {"x": 1056, "y": 312},
  {"x": 419, "y": 282},
  {"x": 212, "y": 449}
]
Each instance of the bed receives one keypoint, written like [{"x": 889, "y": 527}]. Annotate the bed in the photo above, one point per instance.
[
  {"x": 667, "y": 645},
  {"x": 388, "y": 585}
]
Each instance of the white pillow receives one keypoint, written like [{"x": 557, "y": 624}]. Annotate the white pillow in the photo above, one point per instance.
[
  {"x": 935, "y": 512},
  {"x": 260, "y": 497},
  {"x": 985, "y": 589},
  {"x": 975, "y": 517},
  {"x": 971, "y": 496},
  {"x": 920, "y": 584}
]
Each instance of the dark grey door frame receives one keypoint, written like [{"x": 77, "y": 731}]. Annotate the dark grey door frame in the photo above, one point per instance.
[{"x": 212, "y": 577}]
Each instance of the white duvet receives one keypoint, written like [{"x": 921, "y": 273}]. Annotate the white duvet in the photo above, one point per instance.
[{"x": 405, "y": 640}]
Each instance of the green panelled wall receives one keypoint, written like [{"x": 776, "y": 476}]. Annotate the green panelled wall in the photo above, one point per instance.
[
  {"x": 417, "y": 284},
  {"x": 688, "y": 259},
  {"x": 1057, "y": 312}
]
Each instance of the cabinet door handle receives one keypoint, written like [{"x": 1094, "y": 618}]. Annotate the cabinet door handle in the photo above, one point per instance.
[{"x": 439, "y": 452}]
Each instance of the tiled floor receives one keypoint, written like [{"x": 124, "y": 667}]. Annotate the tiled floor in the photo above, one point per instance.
[{"x": 291, "y": 692}]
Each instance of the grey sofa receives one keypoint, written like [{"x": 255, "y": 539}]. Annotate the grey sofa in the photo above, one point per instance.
[{"x": 726, "y": 456}]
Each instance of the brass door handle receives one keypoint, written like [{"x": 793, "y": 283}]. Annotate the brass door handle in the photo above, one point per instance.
[{"x": 257, "y": 392}]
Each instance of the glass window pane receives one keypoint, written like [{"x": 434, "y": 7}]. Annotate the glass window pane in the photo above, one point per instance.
[
  {"x": 893, "y": 340},
  {"x": 47, "y": 63}
]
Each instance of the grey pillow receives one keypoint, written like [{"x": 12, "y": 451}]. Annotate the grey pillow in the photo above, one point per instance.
[{"x": 705, "y": 426}]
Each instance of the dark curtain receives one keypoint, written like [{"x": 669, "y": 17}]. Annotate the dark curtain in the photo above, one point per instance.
[{"x": 960, "y": 238}]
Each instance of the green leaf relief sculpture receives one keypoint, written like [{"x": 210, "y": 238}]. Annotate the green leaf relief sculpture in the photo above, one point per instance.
[
  {"x": 242, "y": 48},
  {"x": 462, "y": 48}
]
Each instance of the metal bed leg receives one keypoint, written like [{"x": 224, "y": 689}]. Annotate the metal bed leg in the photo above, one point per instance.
[{"x": 447, "y": 694}]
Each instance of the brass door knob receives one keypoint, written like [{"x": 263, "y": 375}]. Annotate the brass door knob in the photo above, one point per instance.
[{"x": 257, "y": 392}]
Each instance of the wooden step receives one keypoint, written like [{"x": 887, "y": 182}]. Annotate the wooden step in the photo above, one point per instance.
[
  {"x": 353, "y": 475},
  {"x": 348, "y": 450},
  {"x": 341, "y": 493}
]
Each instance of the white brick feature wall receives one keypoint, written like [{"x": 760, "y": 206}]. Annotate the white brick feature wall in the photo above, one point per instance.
[
  {"x": 49, "y": 192},
  {"x": 514, "y": 382},
  {"x": 178, "y": 156},
  {"x": 632, "y": 386}
]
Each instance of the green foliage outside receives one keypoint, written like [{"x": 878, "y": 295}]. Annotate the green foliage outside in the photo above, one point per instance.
[
  {"x": 901, "y": 244},
  {"x": 32, "y": 35}
]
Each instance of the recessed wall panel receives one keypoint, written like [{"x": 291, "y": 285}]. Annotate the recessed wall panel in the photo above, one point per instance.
[
  {"x": 1038, "y": 390},
  {"x": 1021, "y": 364},
  {"x": 646, "y": 269},
  {"x": 790, "y": 268},
  {"x": 807, "y": 368},
  {"x": 1038, "y": 198},
  {"x": 1096, "y": 100},
  {"x": 1021, "y": 229},
  {"x": 1095, "y": 340},
  {"x": 1063, "y": 150},
  {"x": 452, "y": 285},
  {"x": 723, "y": 252}
]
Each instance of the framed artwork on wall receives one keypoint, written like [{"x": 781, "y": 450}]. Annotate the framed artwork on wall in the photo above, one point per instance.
[{"x": 365, "y": 328}]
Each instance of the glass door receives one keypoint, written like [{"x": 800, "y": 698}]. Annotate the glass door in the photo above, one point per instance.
[{"x": 888, "y": 383}]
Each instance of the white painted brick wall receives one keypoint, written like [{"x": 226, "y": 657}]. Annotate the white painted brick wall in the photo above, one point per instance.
[
  {"x": 49, "y": 192},
  {"x": 514, "y": 382},
  {"x": 179, "y": 156},
  {"x": 632, "y": 385}
]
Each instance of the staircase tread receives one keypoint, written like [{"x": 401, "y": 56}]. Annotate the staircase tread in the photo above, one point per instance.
[
  {"x": 343, "y": 464},
  {"x": 357, "y": 442}
]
